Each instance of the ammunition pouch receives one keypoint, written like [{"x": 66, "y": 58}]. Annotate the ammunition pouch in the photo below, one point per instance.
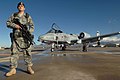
[
  {"x": 17, "y": 35},
  {"x": 23, "y": 44}
]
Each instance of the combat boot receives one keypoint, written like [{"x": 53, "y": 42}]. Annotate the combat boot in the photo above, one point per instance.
[
  {"x": 11, "y": 72},
  {"x": 30, "y": 70}
]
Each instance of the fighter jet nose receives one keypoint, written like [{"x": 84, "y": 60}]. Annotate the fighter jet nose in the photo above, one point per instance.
[{"x": 41, "y": 37}]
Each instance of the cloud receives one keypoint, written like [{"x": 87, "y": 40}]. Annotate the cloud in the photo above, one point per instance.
[{"x": 111, "y": 39}]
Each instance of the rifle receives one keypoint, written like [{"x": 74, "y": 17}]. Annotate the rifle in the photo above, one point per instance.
[{"x": 25, "y": 33}]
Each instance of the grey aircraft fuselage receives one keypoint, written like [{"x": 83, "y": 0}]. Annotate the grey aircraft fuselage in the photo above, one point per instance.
[{"x": 56, "y": 37}]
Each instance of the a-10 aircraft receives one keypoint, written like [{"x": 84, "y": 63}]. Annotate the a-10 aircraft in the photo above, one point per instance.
[{"x": 55, "y": 37}]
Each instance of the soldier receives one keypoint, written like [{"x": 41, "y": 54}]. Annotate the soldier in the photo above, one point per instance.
[{"x": 19, "y": 43}]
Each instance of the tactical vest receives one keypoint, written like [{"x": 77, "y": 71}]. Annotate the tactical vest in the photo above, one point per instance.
[
  {"x": 20, "y": 34},
  {"x": 14, "y": 37},
  {"x": 26, "y": 15}
]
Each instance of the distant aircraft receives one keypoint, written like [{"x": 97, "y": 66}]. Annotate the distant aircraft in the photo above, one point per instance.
[{"x": 56, "y": 38}]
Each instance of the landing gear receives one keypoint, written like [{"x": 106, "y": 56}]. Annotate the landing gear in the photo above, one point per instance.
[
  {"x": 52, "y": 47},
  {"x": 84, "y": 47},
  {"x": 98, "y": 43},
  {"x": 63, "y": 47}
]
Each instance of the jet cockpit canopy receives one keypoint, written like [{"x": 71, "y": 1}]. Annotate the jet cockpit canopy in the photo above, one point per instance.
[{"x": 55, "y": 29}]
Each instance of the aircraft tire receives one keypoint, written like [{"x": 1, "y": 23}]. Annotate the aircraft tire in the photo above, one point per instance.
[{"x": 52, "y": 50}]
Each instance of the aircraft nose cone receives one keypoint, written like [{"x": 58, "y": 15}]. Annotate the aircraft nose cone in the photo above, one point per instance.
[{"x": 41, "y": 37}]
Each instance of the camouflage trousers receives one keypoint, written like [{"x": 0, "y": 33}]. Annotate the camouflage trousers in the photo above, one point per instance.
[{"x": 16, "y": 51}]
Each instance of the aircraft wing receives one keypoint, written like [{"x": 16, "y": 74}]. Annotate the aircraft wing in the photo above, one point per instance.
[{"x": 97, "y": 38}]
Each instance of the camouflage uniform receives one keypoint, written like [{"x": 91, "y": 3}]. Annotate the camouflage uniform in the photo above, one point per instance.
[{"x": 15, "y": 49}]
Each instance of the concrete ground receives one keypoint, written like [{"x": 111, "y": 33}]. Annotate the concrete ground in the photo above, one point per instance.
[{"x": 72, "y": 64}]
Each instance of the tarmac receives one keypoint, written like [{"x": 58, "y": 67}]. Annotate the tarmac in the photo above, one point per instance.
[{"x": 72, "y": 64}]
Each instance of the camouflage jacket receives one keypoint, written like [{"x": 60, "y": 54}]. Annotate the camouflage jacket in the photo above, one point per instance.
[{"x": 23, "y": 20}]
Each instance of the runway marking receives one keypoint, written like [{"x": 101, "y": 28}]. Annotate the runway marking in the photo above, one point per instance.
[
  {"x": 5, "y": 59},
  {"x": 47, "y": 53},
  {"x": 107, "y": 52},
  {"x": 44, "y": 53}
]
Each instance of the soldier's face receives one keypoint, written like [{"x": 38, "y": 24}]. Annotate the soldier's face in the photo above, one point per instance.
[{"x": 21, "y": 7}]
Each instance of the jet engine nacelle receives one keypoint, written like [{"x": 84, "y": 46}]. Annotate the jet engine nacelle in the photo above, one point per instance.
[{"x": 83, "y": 35}]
